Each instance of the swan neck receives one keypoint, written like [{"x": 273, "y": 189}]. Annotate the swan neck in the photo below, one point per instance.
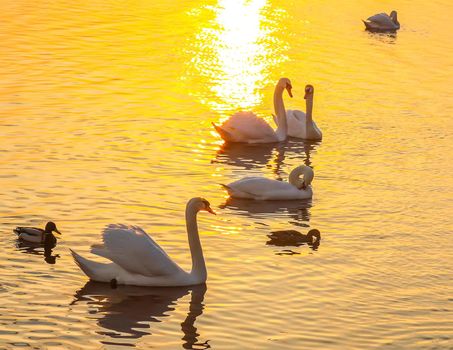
[
  {"x": 198, "y": 263},
  {"x": 309, "y": 109},
  {"x": 294, "y": 177},
  {"x": 196, "y": 307},
  {"x": 279, "y": 107}
]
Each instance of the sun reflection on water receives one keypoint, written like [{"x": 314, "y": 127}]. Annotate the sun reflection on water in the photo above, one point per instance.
[{"x": 234, "y": 53}]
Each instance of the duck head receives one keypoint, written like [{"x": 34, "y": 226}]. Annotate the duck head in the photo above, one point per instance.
[
  {"x": 314, "y": 233},
  {"x": 51, "y": 227}
]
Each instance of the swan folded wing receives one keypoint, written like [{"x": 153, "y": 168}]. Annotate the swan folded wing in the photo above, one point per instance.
[
  {"x": 260, "y": 186},
  {"x": 248, "y": 125},
  {"x": 131, "y": 248},
  {"x": 381, "y": 19}
]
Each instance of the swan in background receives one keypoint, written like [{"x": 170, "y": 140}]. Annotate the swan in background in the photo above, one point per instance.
[
  {"x": 137, "y": 260},
  {"x": 260, "y": 188},
  {"x": 300, "y": 124},
  {"x": 382, "y": 22},
  {"x": 38, "y": 235},
  {"x": 247, "y": 127}
]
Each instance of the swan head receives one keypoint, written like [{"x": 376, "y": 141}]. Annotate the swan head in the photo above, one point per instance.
[
  {"x": 285, "y": 83},
  {"x": 394, "y": 15},
  {"x": 51, "y": 227},
  {"x": 309, "y": 91},
  {"x": 295, "y": 180},
  {"x": 201, "y": 204}
]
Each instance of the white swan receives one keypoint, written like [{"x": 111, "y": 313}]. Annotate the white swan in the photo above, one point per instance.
[
  {"x": 382, "y": 22},
  {"x": 247, "y": 127},
  {"x": 301, "y": 124},
  {"x": 137, "y": 260},
  {"x": 260, "y": 188}
]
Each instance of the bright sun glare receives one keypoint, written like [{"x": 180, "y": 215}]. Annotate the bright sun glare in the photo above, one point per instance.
[{"x": 236, "y": 51}]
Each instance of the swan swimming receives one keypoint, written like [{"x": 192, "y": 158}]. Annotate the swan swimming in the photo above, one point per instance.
[
  {"x": 260, "y": 188},
  {"x": 247, "y": 127},
  {"x": 300, "y": 124},
  {"x": 137, "y": 260},
  {"x": 382, "y": 22}
]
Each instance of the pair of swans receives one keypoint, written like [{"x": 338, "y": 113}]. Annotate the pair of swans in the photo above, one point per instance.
[
  {"x": 136, "y": 259},
  {"x": 247, "y": 127},
  {"x": 382, "y": 22}
]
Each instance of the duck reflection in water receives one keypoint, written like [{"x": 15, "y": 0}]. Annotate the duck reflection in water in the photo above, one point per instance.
[
  {"x": 127, "y": 311},
  {"x": 40, "y": 249}
]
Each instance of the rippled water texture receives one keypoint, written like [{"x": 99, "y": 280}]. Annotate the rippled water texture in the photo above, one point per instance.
[{"x": 106, "y": 111}]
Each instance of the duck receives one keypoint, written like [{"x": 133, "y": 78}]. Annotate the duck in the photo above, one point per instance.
[
  {"x": 38, "y": 235},
  {"x": 382, "y": 22},
  {"x": 261, "y": 188},
  {"x": 247, "y": 127},
  {"x": 294, "y": 238},
  {"x": 301, "y": 125},
  {"x": 136, "y": 259}
]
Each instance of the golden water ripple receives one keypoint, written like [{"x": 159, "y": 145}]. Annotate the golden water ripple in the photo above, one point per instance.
[{"x": 105, "y": 118}]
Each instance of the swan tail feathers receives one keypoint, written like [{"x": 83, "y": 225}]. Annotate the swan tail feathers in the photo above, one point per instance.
[
  {"x": 99, "y": 249},
  {"x": 223, "y": 133},
  {"x": 94, "y": 270},
  {"x": 227, "y": 188}
]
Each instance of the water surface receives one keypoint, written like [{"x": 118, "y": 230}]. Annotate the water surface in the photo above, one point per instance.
[{"x": 106, "y": 114}]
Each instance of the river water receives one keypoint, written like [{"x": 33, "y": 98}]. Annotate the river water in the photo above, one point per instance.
[{"x": 105, "y": 117}]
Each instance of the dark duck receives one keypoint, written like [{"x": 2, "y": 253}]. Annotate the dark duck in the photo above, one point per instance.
[
  {"x": 38, "y": 235},
  {"x": 294, "y": 238}
]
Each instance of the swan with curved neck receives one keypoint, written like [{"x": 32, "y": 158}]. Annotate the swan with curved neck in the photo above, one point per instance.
[
  {"x": 300, "y": 124},
  {"x": 260, "y": 188},
  {"x": 135, "y": 259},
  {"x": 382, "y": 22},
  {"x": 247, "y": 127}
]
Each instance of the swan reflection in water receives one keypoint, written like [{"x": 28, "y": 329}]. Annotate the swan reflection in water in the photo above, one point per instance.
[
  {"x": 297, "y": 210},
  {"x": 38, "y": 249},
  {"x": 253, "y": 156},
  {"x": 127, "y": 311}
]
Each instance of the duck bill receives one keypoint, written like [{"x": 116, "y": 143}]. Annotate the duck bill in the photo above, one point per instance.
[{"x": 57, "y": 231}]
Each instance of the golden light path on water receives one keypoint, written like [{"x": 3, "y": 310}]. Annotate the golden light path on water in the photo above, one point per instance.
[{"x": 236, "y": 51}]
